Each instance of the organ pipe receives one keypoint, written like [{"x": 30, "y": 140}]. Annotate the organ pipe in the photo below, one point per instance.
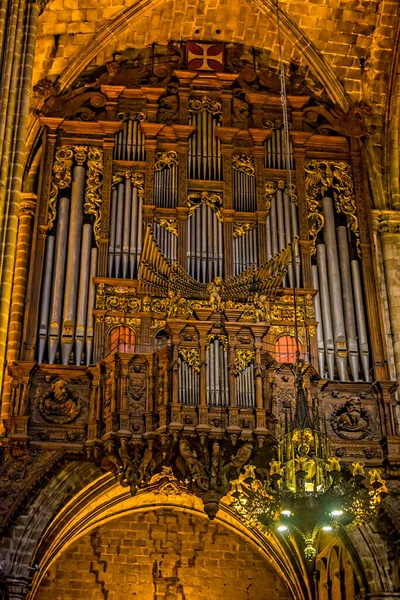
[
  {"x": 58, "y": 278},
  {"x": 167, "y": 241},
  {"x": 282, "y": 227},
  {"x": 205, "y": 243},
  {"x": 188, "y": 384},
  {"x": 204, "y": 158},
  {"x": 275, "y": 151},
  {"x": 125, "y": 231},
  {"x": 72, "y": 269},
  {"x": 216, "y": 374},
  {"x": 360, "y": 315},
  {"x": 46, "y": 291},
  {"x": 166, "y": 188},
  {"x": 348, "y": 301},
  {"x": 245, "y": 251},
  {"x": 326, "y": 309},
  {"x": 245, "y": 388},
  {"x": 130, "y": 141},
  {"x": 244, "y": 191},
  {"x": 335, "y": 288},
  {"x": 81, "y": 313},
  {"x": 90, "y": 307},
  {"x": 318, "y": 317}
]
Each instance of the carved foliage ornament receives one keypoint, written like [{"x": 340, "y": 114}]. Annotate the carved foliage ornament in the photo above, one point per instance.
[
  {"x": 205, "y": 104},
  {"x": 132, "y": 116},
  {"x": 240, "y": 229},
  {"x": 191, "y": 356},
  {"x": 272, "y": 186},
  {"x": 321, "y": 177},
  {"x": 217, "y": 336},
  {"x": 243, "y": 358},
  {"x": 243, "y": 163},
  {"x": 166, "y": 160},
  {"x": 62, "y": 178},
  {"x": 136, "y": 178},
  {"x": 168, "y": 224},
  {"x": 212, "y": 200},
  {"x": 350, "y": 124}
]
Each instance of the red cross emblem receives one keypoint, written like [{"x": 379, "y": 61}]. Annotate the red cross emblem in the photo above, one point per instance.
[{"x": 205, "y": 57}]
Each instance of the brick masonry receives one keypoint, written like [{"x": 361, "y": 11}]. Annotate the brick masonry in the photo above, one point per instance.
[{"x": 161, "y": 555}]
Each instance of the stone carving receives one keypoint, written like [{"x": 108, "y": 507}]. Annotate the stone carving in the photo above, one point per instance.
[
  {"x": 351, "y": 421},
  {"x": 206, "y": 466},
  {"x": 60, "y": 405}
]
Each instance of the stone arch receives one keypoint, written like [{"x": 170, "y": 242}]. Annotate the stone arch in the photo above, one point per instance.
[{"x": 103, "y": 501}]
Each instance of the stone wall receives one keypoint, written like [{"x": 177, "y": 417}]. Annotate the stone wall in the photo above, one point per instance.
[{"x": 161, "y": 555}]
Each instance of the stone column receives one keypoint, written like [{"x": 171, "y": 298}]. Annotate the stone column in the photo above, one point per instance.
[
  {"x": 26, "y": 214},
  {"x": 387, "y": 225},
  {"x": 19, "y": 43},
  {"x": 18, "y": 588}
]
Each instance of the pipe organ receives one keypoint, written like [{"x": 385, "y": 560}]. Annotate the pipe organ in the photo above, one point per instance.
[
  {"x": 204, "y": 158},
  {"x": 129, "y": 143},
  {"x": 126, "y": 224},
  {"x": 172, "y": 218}
]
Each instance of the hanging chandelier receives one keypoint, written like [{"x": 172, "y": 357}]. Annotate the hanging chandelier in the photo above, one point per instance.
[{"x": 306, "y": 490}]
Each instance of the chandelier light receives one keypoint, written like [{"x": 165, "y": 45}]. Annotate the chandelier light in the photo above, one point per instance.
[{"x": 305, "y": 489}]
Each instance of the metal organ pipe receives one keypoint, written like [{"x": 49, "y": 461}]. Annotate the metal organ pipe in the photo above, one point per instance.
[
  {"x": 72, "y": 270},
  {"x": 326, "y": 309},
  {"x": 204, "y": 157},
  {"x": 118, "y": 228},
  {"x": 58, "y": 278},
  {"x": 90, "y": 306},
  {"x": 46, "y": 291},
  {"x": 113, "y": 219},
  {"x": 81, "y": 313},
  {"x": 126, "y": 227},
  {"x": 335, "y": 286},
  {"x": 348, "y": 301},
  {"x": 318, "y": 317},
  {"x": 360, "y": 315}
]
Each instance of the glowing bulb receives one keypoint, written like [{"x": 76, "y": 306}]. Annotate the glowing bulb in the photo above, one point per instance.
[
  {"x": 336, "y": 513},
  {"x": 282, "y": 528},
  {"x": 327, "y": 528},
  {"x": 286, "y": 513}
]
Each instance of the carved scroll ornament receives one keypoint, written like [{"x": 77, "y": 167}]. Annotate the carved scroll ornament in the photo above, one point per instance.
[
  {"x": 62, "y": 178},
  {"x": 205, "y": 104},
  {"x": 243, "y": 163},
  {"x": 136, "y": 178},
  {"x": 166, "y": 160},
  {"x": 322, "y": 176},
  {"x": 212, "y": 200}
]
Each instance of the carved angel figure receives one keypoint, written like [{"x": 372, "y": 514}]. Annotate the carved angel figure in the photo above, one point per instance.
[{"x": 214, "y": 289}]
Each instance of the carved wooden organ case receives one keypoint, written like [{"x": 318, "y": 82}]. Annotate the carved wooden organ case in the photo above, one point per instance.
[{"x": 189, "y": 166}]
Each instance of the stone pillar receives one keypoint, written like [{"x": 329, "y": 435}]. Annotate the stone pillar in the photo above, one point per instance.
[
  {"x": 26, "y": 214},
  {"x": 19, "y": 44},
  {"x": 387, "y": 225},
  {"x": 18, "y": 588}
]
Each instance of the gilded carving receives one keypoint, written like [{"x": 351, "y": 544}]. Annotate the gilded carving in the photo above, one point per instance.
[
  {"x": 93, "y": 193},
  {"x": 240, "y": 229},
  {"x": 111, "y": 322},
  {"x": 61, "y": 179},
  {"x": 191, "y": 356},
  {"x": 243, "y": 358},
  {"x": 212, "y": 200},
  {"x": 322, "y": 176},
  {"x": 168, "y": 224},
  {"x": 243, "y": 163},
  {"x": 166, "y": 160},
  {"x": 217, "y": 336},
  {"x": 270, "y": 191},
  {"x": 136, "y": 178}
]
